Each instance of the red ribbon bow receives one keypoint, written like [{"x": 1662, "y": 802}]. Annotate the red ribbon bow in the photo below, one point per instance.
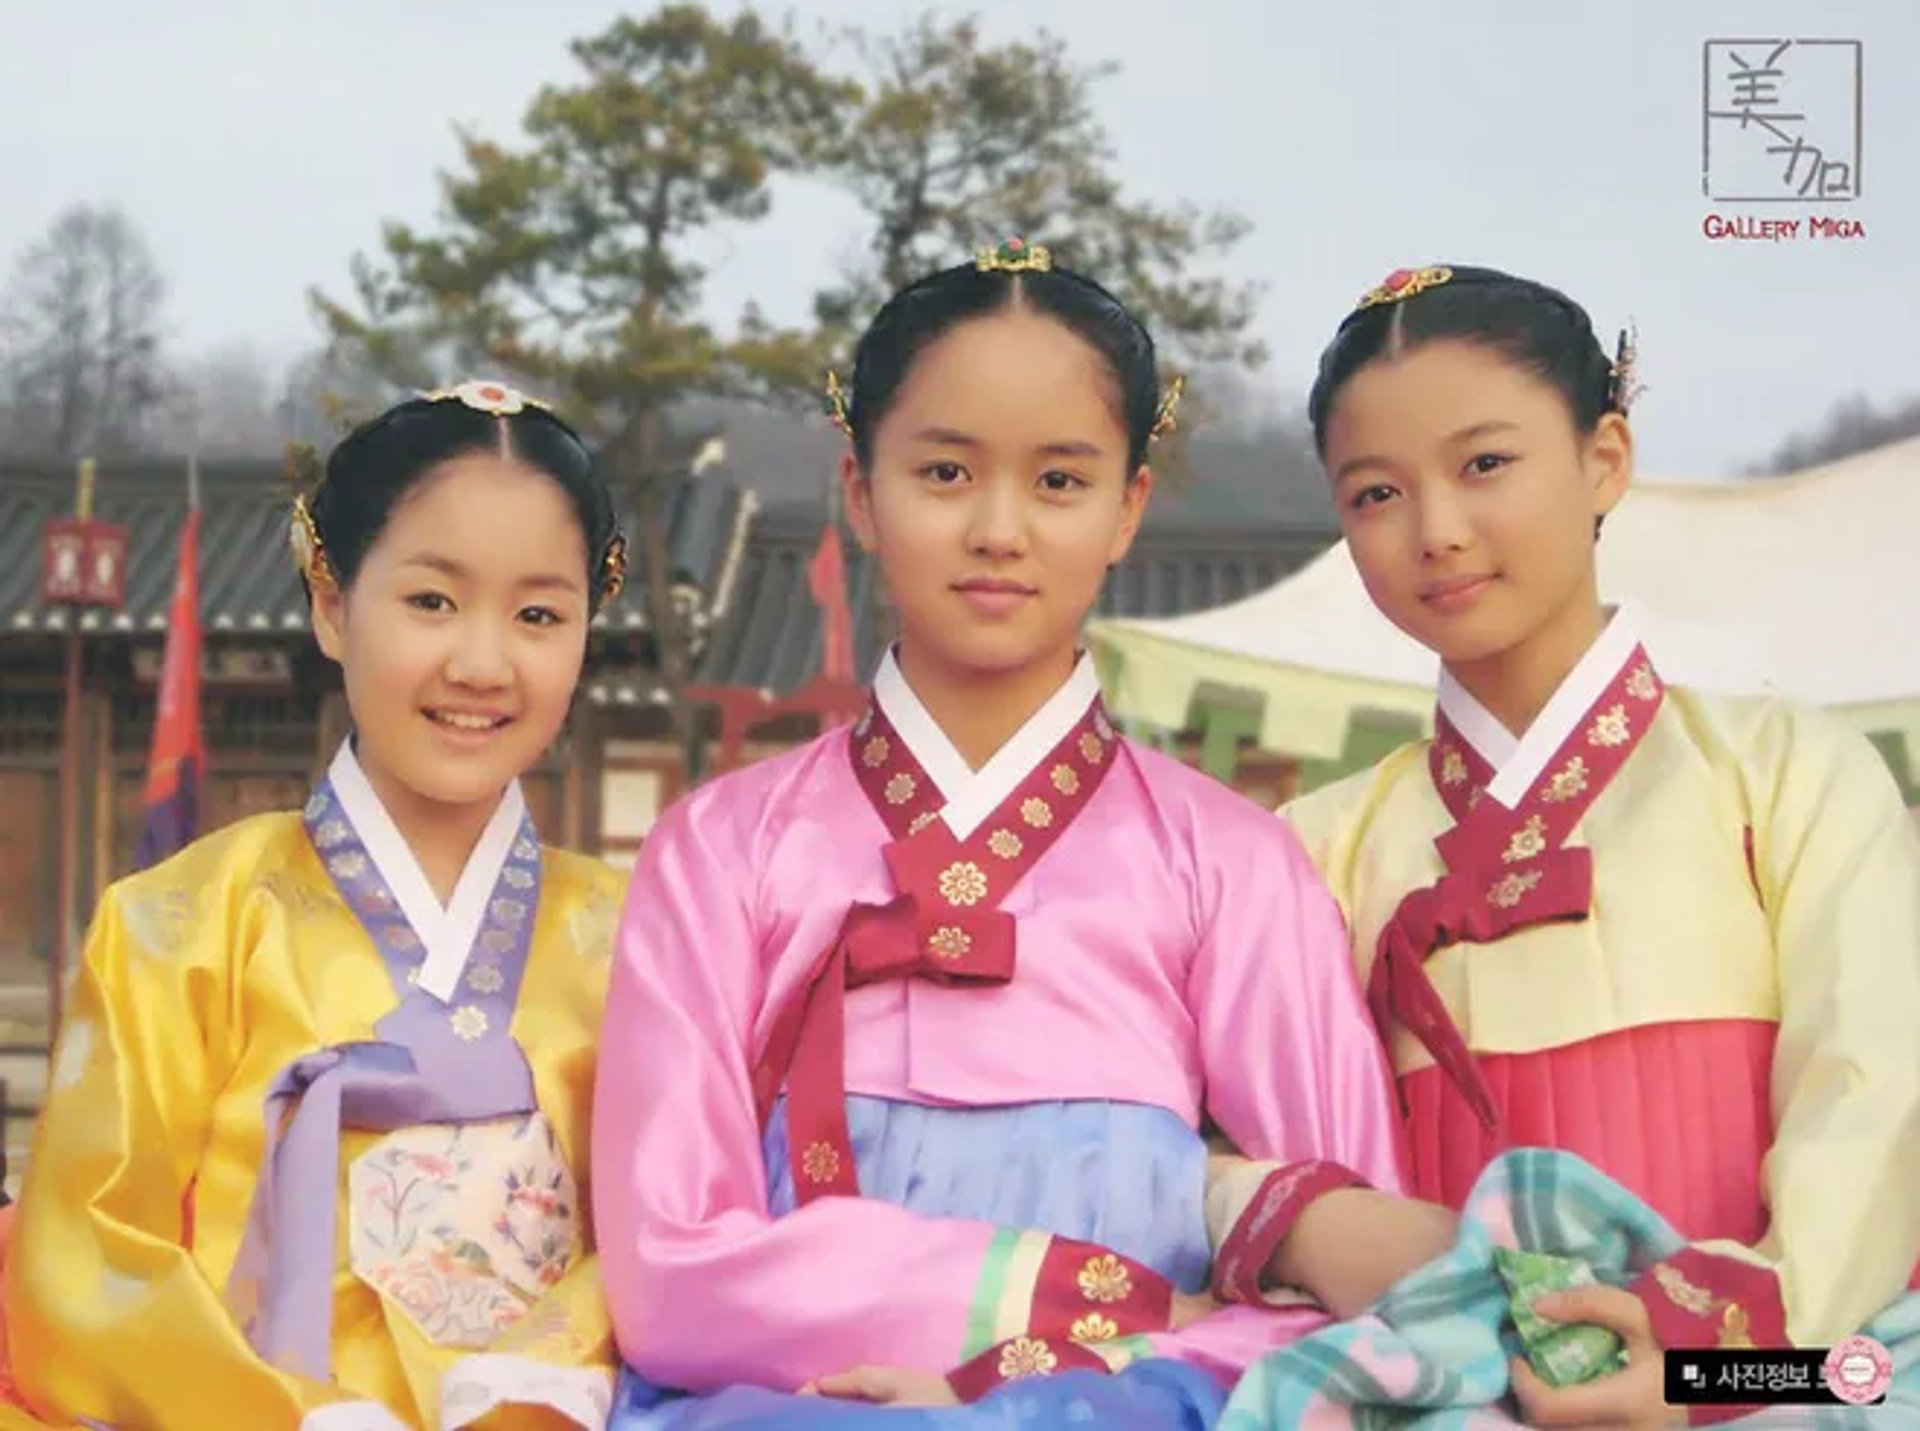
[{"x": 1459, "y": 908}]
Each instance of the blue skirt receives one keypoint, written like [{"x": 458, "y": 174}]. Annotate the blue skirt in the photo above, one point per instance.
[{"x": 1125, "y": 1176}]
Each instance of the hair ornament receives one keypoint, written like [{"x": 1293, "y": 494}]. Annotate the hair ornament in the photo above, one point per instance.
[
  {"x": 836, "y": 404},
  {"x": 1016, "y": 255},
  {"x": 613, "y": 572},
  {"x": 1402, "y": 284},
  {"x": 495, "y": 399},
  {"x": 309, "y": 554},
  {"x": 1163, "y": 416},
  {"x": 1623, "y": 385}
]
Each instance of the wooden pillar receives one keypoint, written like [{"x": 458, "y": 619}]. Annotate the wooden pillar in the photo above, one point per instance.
[
  {"x": 106, "y": 804},
  {"x": 580, "y": 778},
  {"x": 334, "y": 723}
]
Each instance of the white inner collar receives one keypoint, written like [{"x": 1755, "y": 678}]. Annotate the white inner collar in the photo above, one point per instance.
[
  {"x": 972, "y": 795},
  {"x": 447, "y": 932},
  {"x": 1518, "y": 761}
]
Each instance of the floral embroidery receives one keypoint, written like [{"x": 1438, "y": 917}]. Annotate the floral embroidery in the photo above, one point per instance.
[
  {"x": 1094, "y": 1328},
  {"x": 525, "y": 849},
  {"x": 348, "y": 864},
  {"x": 1735, "y": 1333},
  {"x": 948, "y": 942},
  {"x": 1065, "y": 779},
  {"x": 963, "y": 882},
  {"x": 464, "y": 1227},
  {"x": 1568, "y": 781},
  {"x": 1640, "y": 684},
  {"x": 1004, "y": 843},
  {"x": 469, "y": 1021},
  {"x": 1453, "y": 767},
  {"x": 921, "y": 821},
  {"x": 1105, "y": 1279},
  {"x": 517, "y": 878},
  {"x": 1682, "y": 1293},
  {"x": 1610, "y": 728},
  {"x": 485, "y": 979},
  {"x": 158, "y": 923},
  {"x": 820, "y": 1163},
  {"x": 76, "y": 1049},
  {"x": 402, "y": 940},
  {"x": 333, "y": 832},
  {"x": 1024, "y": 1356},
  {"x": 1511, "y": 890},
  {"x": 900, "y": 789},
  {"x": 510, "y": 912},
  {"x": 1036, "y": 812},
  {"x": 593, "y": 926},
  {"x": 1528, "y": 841},
  {"x": 874, "y": 753},
  {"x": 1091, "y": 747}
]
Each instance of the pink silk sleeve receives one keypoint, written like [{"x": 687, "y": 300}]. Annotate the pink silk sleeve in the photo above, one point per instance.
[
  {"x": 1294, "y": 1067},
  {"x": 706, "y": 1288}
]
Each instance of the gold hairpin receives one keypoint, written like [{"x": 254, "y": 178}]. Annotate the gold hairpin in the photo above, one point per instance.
[
  {"x": 613, "y": 572},
  {"x": 495, "y": 399},
  {"x": 309, "y": 554},
  {"x": 836, "y": 403},
  {"x": 1016, "y": 255},
  {"x": 1623, "y": 386},
  {"x": 1402, "y": 284},
  {"x": 1163, "y": 418}
]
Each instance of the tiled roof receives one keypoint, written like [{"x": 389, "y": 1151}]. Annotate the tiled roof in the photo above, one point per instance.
[
  {"x": 772, "y": 638},
  {"x": 247, "y": 579}
]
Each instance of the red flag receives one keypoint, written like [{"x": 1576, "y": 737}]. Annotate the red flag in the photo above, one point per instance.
[
  {"x": 827, "y": 578},
  {"x": 177, "y": 766}
]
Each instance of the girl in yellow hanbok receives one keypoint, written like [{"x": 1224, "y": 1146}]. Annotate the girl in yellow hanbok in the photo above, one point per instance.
[
  {"x": 315, "y": 1143},
  {"x": 1673, "y": 933}
]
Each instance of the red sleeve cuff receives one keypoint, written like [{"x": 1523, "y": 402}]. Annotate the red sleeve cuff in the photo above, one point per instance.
[
  {"x": 1019, "y": 1358},
  {"x": 1085, "y": 1292},
  {"x": 1240, "y": 1266},
  {"x": 1703, "y": 1301}
]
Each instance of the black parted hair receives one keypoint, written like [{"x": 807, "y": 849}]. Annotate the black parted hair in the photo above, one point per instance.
[
  {"x": 1538, "y": 329},
  {"x": 376, "y": 464},
  {"x": 926, "y": 311}
]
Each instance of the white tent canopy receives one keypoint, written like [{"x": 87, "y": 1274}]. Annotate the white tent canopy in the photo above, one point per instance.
[{"x": 1807, "y": 586}]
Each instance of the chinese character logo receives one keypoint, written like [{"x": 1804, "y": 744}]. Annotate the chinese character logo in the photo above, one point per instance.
[{"x": 1781, "y": 121}]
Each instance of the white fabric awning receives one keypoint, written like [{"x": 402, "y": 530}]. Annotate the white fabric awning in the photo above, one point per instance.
[{"x": 1807, "y": 586}]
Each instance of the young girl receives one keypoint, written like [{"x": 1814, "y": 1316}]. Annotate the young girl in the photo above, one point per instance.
[
  {"x": 1677, "y": 935},
  {"x": 314, "y": 1148},
  {"x": 912, "y": 1029}
]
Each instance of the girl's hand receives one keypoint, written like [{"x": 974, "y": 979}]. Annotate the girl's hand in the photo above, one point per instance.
[
  {"x": 1350, "y": 1247},
  {"x": 885, "y": 1386},
  {"x": 1631, "y": 1400}
]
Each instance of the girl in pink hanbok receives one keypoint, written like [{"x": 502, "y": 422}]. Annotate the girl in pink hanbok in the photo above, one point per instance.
[
  {"x": 913, "y": 1029},
  {"x": 1675, "y": 934}
]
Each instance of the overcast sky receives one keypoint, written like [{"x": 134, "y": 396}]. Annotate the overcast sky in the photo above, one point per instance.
[{"x": 260, "y": 145}]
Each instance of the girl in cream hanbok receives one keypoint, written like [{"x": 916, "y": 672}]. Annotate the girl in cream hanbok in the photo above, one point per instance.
[
  {"x": 913, "y": 1029},
  {"x": 315, "y": 1148},
  {"x": 1675, "y": 934}
]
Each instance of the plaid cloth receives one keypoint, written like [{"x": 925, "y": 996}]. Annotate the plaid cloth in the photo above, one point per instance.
[{"x": 1433, "y": 1353}]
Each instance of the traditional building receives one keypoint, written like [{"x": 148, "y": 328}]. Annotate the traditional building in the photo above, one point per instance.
[{"x": 272, "y": 706}]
